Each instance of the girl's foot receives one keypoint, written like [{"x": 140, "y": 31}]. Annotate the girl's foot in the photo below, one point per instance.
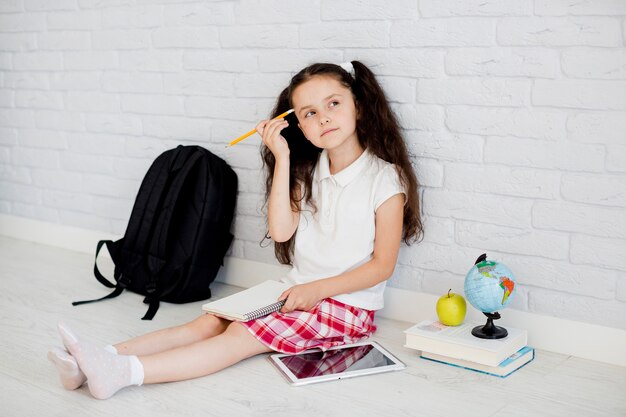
[
  {"x": 106, "y": 372},
  {"x": 70, "y": 374}
]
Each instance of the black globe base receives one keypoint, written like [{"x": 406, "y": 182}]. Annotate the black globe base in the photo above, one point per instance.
[{"x": 490, "y": 330}]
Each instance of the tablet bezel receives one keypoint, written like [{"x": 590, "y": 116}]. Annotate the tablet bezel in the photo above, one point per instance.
[{"x": 292, "y": 379}]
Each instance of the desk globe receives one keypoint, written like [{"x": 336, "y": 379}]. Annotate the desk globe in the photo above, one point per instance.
[{"x": 489, "y": 287}]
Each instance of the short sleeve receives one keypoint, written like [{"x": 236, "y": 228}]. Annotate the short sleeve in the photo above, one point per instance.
[{"x": 387, "y": 185}]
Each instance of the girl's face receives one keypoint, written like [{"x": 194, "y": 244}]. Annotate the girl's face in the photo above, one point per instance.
[{"x": 326, "y": 112}]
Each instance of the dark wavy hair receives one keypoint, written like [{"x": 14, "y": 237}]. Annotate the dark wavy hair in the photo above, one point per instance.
[{"x": 377, "y": 130}]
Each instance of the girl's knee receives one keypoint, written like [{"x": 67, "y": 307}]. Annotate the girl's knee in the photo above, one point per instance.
[
  {"x": 247, "y": 341},
  {"x": 207, "y": 325},
  {"x": 235, "y": 328}
]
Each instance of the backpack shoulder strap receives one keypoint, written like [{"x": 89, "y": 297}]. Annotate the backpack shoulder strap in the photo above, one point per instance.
[
  {"x": 154, "y": 305},
  {"x": 96, "y": 271},
  {"x": 118, "y": 289}
]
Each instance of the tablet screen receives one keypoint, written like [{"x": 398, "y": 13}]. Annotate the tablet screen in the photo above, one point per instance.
[{"x": 349, "y": 360}]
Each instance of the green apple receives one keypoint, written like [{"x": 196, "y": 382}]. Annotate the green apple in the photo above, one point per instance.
[{"x": 451, "y": 309}]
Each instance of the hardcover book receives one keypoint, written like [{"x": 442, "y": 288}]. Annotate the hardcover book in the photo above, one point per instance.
[
  {"x": 458, "y": 342},
  {"x": 504, "y": 369}
]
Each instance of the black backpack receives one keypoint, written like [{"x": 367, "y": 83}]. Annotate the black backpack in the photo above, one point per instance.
[{"x": 178, "y": 232}]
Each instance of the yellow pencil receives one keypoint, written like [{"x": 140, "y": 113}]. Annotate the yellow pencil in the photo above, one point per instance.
[{"x": 253, "y": 131}]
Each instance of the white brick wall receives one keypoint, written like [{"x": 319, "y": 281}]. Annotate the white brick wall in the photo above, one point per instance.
[{"x": 514, "y": 112}]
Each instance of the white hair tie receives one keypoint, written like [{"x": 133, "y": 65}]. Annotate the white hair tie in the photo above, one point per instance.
[{"x": 348, "y": 67}]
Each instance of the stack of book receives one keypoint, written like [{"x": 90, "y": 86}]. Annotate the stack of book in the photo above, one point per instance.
[{"x": 456, "y": 346}]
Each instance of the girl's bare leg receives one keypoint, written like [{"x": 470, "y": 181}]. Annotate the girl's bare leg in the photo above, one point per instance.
[
  {"x": 201, "y": 328},
  {"x": 202, "y": 358}
]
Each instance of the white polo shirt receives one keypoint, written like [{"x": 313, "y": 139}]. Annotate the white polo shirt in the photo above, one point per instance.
[{"x": 339, "y": 236}]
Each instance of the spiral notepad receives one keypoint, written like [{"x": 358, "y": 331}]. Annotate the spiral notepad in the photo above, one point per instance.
[
  {"x": 249, "y": 304},
  {"x": 264, "y": 311}
]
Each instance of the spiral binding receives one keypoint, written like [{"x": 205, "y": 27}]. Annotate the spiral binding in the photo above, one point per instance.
[{"x": 262, "y": 312}]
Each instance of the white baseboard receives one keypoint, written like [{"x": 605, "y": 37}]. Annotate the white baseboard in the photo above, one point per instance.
[
  {"x": 584, "y": 340},
  {"x": 52, "y": 234}
]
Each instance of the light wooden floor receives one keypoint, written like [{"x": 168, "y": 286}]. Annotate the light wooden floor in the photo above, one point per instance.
[{"x": 39, "y": 282}]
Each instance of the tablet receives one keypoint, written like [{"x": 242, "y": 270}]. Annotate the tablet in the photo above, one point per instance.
[{"x": 347, "y": 361}]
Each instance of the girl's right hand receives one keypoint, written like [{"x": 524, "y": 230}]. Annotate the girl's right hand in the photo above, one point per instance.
[{"x": 270, "y": 132}]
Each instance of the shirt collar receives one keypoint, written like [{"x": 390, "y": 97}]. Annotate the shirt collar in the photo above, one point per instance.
[{"x": 346, "y": 175}]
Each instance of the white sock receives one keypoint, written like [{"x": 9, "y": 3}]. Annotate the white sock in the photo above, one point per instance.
[
  {"x": 70, "y": 373},
  {"x": 106, "y": 372},
  {"x": 136, "y": 371},
  {"x": 111, "y": 348}
]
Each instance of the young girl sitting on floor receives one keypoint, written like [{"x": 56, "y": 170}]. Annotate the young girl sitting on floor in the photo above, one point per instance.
[{"x": 341, "y": 195}]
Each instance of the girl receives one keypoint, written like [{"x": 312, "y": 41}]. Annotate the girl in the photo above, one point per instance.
[{"x": 341, "y": 195}]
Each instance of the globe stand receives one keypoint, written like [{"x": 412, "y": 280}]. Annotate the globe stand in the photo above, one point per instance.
[{"x": 490, "y": 330}]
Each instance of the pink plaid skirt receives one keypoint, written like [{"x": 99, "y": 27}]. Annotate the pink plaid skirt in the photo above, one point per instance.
[{"x": 330, "y": 323}]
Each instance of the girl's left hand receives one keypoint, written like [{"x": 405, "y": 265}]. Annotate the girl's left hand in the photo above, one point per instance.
[
  {"x": 301, "y": 297},
  {"x": 270, "y": 133}
]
